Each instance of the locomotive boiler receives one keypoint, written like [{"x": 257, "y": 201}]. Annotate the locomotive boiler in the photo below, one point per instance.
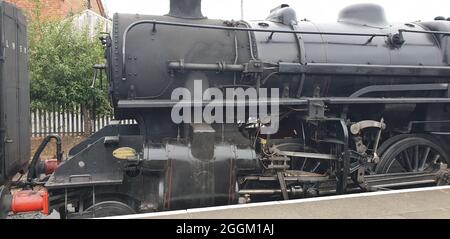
[{"x": 362, "y": 104}]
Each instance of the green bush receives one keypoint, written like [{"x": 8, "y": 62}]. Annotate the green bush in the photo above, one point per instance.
[{"x": 61, "y": 59}]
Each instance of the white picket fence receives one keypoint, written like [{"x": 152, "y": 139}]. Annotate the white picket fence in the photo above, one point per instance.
[{"x": 66, "y": 122}]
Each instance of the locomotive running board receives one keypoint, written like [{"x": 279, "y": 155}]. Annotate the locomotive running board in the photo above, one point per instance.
[
  {"x": 143, "y": 104},
  {"x": 133, "y": 104}
]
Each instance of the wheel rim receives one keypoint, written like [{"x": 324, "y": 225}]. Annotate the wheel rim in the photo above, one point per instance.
[
  {"x": 110, "y": 208},
  {"x": 412, "y": 155}
]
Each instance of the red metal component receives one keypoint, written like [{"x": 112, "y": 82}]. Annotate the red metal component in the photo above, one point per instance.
[
  {"x": 50, "y": 166},
  {"x": 30, "y": 201}
]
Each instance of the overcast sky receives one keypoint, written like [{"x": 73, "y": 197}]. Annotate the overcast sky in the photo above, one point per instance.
[{"x": 314, "y": 10}]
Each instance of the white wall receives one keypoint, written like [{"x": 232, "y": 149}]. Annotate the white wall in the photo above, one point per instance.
[{"x": 92, "y": 20}]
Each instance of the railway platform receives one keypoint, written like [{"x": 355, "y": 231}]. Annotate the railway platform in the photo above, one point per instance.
[{"x": 421, "y": 203}]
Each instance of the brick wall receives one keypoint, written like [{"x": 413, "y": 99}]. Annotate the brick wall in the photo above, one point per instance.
[{"x": 60, "y": 8}]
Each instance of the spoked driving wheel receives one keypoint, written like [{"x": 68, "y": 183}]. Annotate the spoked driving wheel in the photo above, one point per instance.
[{"x": 412, "y": 154}]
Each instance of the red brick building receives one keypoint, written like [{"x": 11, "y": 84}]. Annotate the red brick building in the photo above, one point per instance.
[{"x": 61, "y": 8}]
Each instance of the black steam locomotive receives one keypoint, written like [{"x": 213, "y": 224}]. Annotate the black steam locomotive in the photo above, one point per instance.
[{"x": 362, "y": 105}]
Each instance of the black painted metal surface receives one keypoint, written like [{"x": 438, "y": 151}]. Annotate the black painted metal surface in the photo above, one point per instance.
[{"x": 14, "y": 93}]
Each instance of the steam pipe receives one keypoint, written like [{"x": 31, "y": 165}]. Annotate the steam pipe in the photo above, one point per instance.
[{"x": 34, "y": 161}]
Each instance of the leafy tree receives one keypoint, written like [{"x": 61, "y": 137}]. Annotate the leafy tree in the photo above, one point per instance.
[{"x": 61, "y": 59}]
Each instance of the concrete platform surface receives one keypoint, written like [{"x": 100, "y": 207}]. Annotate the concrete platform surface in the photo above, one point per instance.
[{"x": 424, "y": 203}]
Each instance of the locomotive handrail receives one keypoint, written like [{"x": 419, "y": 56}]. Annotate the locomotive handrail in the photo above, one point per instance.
[
  {"x": 212, "y": 27},
  {"x": 401, "y": 38},
  {"x": 424, "y": 32}
]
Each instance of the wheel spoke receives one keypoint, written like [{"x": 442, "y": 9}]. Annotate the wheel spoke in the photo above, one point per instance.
[
  {"x": 436, "y": 158},
  {"x": 424, "y": 159},
  {"x": 401, "y": 161},
  {"x": 432, "y": 162},
  {"x": 415, "y": 153},
  {"x": 315, "y": 167},
  {"x": 396, "y": 166},
  {"x": 303, "y": 165},
  {"x": 408, "y": 160},
  {"x": 416, "y": 158}
]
